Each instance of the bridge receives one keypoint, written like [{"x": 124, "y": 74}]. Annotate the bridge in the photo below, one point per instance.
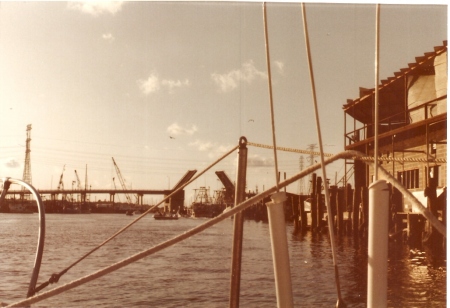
[{"x": 175, "y": 201}]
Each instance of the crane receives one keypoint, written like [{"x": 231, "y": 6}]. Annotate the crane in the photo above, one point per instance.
[
  {"x": 78, "y": 183},
  {"x": 122, "y": 181},
  {"x": 61, "y": 184},
  {"x": 114, "y": 182}
]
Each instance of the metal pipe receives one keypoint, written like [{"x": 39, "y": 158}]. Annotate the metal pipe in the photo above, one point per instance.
[
  {"x": 41, "y": 235},
  {"x": 238, "y": 228},
  {"x": 280, "y": 252},
  {"x": 377, "y": 59},
  {"x": 378, "y": 244}
]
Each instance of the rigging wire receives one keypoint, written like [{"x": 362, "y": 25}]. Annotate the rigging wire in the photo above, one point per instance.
[
  {"x": 272, "y": 116},
  {"x": 340, "y": 302},
  {"x": 55, "y": 277}
]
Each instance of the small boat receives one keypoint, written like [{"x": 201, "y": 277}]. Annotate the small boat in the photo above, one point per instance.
[
  {"x": 129, "y": 213},
  {"x": 165, "y": 216}
]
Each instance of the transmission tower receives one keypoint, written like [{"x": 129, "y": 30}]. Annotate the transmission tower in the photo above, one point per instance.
[
  {"x": 301, "y": 183},
  {"x": 311, "y": 148},
  {"x": 27, "y": 166}
]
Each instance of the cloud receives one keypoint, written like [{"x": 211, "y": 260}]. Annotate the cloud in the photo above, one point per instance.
[
  {"x": 280, "y": 66},
  {"x": 214, "y": 150},
  {"x": 12, "y": 163},
  {"x": 176, "y": 130},
  {"x": 96, "y": 8},
  {"x": 231, "y": 80},
  {"x": 256, "y": 160},
  {"x": 150, "y": 85},
  {"x": 153, "y": 84},
  {"x": 171, "y": 84},
  {"x": 108, "y": 37}
]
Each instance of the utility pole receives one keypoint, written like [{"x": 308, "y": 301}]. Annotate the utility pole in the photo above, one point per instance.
[{"x": 27, "y": 165}]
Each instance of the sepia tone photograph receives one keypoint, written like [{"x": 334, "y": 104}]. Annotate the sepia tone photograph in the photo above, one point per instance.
[{"x": 223, "y": 154}]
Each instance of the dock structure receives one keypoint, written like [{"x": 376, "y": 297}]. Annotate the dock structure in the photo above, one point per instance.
[
  {"x": 412, "y": 138},
  {"x": 412, "y": 147}
]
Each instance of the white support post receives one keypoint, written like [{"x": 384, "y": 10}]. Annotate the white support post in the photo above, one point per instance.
[
  {"x": 280, "y": 253},
  {"x": 378, "y": 244}
]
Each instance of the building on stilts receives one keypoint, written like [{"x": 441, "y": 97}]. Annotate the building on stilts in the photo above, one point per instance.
[{"x": 412, "y": 139}]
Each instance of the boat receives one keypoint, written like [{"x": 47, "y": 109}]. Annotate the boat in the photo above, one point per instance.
[
  {"x": 204, "y": 206},
  {"x": 22, "y": 208},
  {"x": 165, "y": 216}
]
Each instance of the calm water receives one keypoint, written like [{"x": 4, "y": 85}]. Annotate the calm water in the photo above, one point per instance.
[{"x": 196, "y": 273}]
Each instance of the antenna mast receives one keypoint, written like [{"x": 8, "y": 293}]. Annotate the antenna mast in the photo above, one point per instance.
[{"x": 27, "y": 166}]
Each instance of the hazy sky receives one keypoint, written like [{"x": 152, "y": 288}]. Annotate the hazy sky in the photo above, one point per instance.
[{"x": 166, "y": 87}]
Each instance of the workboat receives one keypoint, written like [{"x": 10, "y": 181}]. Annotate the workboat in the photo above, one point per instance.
[
  {"x": 204, "y": 206},
  {"x": 165, "y": 216}
]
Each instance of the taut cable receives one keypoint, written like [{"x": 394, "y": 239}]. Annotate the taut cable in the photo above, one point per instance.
[
  {"x": 55, "y": 277},
  {"x": 269, "y": 77},
  {"x": 340, "y": 302}
]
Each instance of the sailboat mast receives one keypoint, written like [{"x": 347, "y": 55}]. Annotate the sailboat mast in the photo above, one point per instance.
[{"x": 377, "y": 59}]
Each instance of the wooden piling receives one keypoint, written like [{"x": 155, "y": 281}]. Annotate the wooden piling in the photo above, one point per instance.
[
  {"x": 340, "y": 202},
  {"x": 349, "y": 206},
  {"x": 356, "y": 207},
  {"x": 415, "y": 229},
  {"x": 333, "y": 200},
  {"x": 319, "y": 202},
  {"x": 313, "y": 203},
  {"x": 363, "y": 228},
  {"x": 302, "y": 214},
  {"x": 432, "y": 237},
  {"x": 295, "y": 215}
]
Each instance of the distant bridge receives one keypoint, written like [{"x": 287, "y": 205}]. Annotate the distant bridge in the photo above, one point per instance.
[{"x": 112, "y": 192}]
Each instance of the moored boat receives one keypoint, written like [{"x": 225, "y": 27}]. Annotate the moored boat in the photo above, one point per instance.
[{"x": 165, "y": 216}]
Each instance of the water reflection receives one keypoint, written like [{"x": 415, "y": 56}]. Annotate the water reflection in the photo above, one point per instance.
[{"x": 416, "y": 276}]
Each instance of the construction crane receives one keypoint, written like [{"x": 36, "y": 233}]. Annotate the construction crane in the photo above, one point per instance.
[
  {"x": 86, "y": 197},
  {"x": 61, "y": 184},
  {"x": 114, "y": 182},
  {"x": 78, "y": 185},
  {"x": 122, "y": 181}
]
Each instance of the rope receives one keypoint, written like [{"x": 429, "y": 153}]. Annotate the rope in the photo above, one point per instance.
[
  {"x": 406, "y": 159},
  {"x": 272, "y": 115},
  {"x": 364, "y": 158},
  {"x": 209, "y": 223},
  {"x": 55, "y": 277},
  {"x": 322, "y": 159},
  {"x": 285, "y": 149}
]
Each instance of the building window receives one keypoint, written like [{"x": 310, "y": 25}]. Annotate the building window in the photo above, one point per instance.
[{"x": 409, "y": 178}]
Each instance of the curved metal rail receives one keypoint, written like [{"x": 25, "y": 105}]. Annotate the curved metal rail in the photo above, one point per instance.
[
  {"x": 41, "y": 237},
  {"x": 238, "y": 208}
]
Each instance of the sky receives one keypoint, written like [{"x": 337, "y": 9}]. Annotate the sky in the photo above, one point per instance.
[{"x": 167, "y": 87}]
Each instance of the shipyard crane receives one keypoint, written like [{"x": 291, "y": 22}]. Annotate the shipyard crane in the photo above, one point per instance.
[
  {"x": 114, "y": 182},
  {"x": 78, "y": 184},
  {"x": 122, "y": 181},
  {"x": 86, "y": 197},
  {"x": 61, "y": 184}
]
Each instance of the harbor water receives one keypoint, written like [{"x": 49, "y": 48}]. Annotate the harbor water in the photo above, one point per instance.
[{"x": 196, "y": 272}]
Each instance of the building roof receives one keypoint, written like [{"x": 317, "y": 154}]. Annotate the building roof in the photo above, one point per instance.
[{"x": 391, "y": 91}]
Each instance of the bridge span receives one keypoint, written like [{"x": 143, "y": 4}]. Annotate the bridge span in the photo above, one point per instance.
[{"x": 176, "y": 200}]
